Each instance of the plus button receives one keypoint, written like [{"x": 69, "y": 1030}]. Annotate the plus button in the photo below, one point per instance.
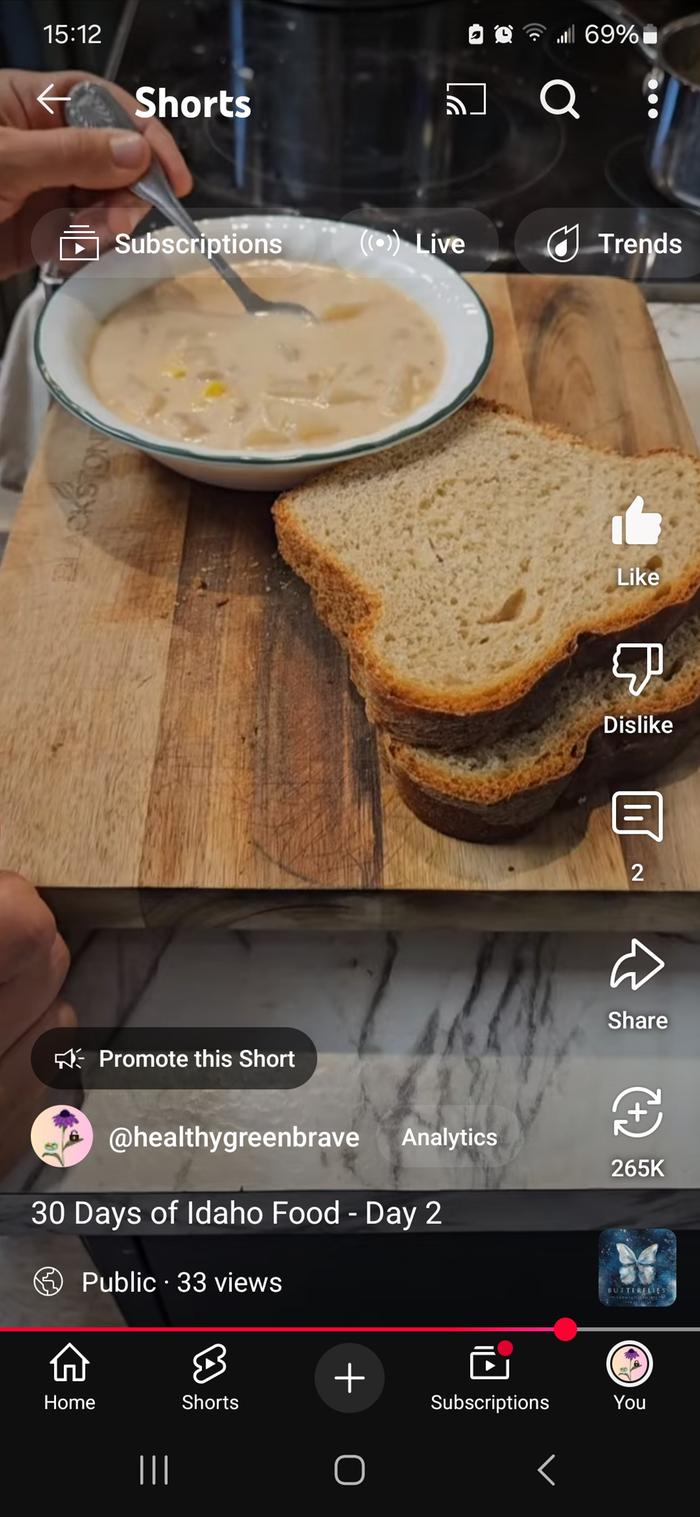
[{"x": 348, "y": 1378}]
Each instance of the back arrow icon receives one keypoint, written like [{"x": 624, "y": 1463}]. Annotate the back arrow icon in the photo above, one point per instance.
[
  {"x": 542, "y": 1469},
  {"x": 46, "y": 96}
]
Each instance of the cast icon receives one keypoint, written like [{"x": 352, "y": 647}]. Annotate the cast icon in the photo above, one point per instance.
[{"x": 472, "y": 103}]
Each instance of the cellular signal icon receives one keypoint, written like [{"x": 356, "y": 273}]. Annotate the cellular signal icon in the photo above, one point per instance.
[{"x": 567, "y": 38}]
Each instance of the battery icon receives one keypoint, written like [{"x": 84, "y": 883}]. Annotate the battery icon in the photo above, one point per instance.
[{"x": 650, "y": 34}]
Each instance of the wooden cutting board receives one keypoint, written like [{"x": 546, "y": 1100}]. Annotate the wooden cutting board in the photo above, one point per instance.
[{"x": 173, "y": 717}]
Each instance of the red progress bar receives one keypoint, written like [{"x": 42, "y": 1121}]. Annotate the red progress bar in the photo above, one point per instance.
[{"x": 564, "y": 1335}]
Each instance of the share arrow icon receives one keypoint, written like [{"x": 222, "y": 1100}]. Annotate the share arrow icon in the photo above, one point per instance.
[{"x": 638, "y": 966}]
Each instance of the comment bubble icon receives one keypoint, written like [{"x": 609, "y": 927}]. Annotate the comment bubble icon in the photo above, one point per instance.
[{"x": 638, "y": 813}]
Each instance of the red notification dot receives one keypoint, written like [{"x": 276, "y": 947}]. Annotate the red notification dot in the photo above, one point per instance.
[
  {"x": 504, "y": 1348},
  {"x": 565, "y": 1329}
]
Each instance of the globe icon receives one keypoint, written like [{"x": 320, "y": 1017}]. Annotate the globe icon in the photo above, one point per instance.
[{"x": 48, "y": 1281}]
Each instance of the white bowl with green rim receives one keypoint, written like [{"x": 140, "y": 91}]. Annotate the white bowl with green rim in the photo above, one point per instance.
[{"x": 70, "y": 321}]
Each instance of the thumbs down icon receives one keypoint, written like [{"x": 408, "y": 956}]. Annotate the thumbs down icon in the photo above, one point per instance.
[{"x": 638, "y": 663}]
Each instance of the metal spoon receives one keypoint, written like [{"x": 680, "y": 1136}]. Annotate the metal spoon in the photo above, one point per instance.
[{"x": 90, "y": 104}]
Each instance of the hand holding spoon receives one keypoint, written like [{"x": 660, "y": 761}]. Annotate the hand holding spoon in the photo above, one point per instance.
[{"x": 90, "y": 104}]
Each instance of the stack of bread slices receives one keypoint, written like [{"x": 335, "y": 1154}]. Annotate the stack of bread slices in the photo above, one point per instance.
[{"x": 472, "y": 577}]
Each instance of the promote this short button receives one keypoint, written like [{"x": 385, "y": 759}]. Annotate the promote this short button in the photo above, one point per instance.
[{"x": 349, "y": 1377}]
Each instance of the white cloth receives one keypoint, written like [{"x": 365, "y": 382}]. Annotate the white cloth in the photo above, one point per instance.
[{"x": 24, "y": 400}]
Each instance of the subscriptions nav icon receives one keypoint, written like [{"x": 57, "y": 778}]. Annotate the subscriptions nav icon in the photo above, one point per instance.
[{"x": 487, "y": 1361}]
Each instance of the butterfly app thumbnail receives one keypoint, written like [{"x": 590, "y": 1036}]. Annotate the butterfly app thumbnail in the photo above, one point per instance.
[{"x": 637, "y": 1266}]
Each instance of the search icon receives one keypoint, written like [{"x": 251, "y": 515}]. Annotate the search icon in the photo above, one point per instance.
[{"x": 559, "y": 110}]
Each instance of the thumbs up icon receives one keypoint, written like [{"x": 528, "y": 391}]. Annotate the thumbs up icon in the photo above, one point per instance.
[{"x": 641, "y": 528}]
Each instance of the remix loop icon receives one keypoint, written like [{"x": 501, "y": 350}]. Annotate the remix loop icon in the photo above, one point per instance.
[{"x": 380, "y": 242}]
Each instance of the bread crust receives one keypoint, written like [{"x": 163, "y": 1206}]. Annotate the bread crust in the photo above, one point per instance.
[
  {"x": 587, "y": 758},
  {"x": 416, "y": 714}
]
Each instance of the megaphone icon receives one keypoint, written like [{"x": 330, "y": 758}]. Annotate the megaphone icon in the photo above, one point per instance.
[
  {"x": 71, "y": 1059},
  {"x": 638, "y": 966}
]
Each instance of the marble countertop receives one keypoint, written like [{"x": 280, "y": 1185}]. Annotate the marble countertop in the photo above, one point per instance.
[
  {"x": 414, "y": 1032},
  {"x": 419, "y": 1030}
]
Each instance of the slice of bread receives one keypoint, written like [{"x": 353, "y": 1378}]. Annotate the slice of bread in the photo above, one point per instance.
[
  {"x": 465, "y": 569},
  {"x": 501, "y": 789}
]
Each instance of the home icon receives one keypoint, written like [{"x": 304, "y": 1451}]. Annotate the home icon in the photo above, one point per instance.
[{"x": 69, "y": 1364}]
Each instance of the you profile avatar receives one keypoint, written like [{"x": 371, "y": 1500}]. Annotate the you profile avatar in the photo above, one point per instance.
[
  {"x": 62, "y": 1136},
  {"x": 629, "y": 1362}
]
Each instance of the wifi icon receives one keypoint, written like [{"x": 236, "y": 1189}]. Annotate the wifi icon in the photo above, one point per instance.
[{"x": 534, "y": 30}]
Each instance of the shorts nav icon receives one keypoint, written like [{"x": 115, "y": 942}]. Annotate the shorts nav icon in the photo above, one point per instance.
[{"x": 209, "y": 1363}]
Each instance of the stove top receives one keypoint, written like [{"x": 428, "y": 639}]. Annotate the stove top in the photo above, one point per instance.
[{"x": 349, "y": 111}]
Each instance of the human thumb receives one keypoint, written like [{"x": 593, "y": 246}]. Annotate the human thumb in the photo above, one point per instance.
[{"x": 86, "y": 158}]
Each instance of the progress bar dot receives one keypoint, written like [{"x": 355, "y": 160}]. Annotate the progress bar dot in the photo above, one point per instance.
[{"x": 565, "y": 1329}]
